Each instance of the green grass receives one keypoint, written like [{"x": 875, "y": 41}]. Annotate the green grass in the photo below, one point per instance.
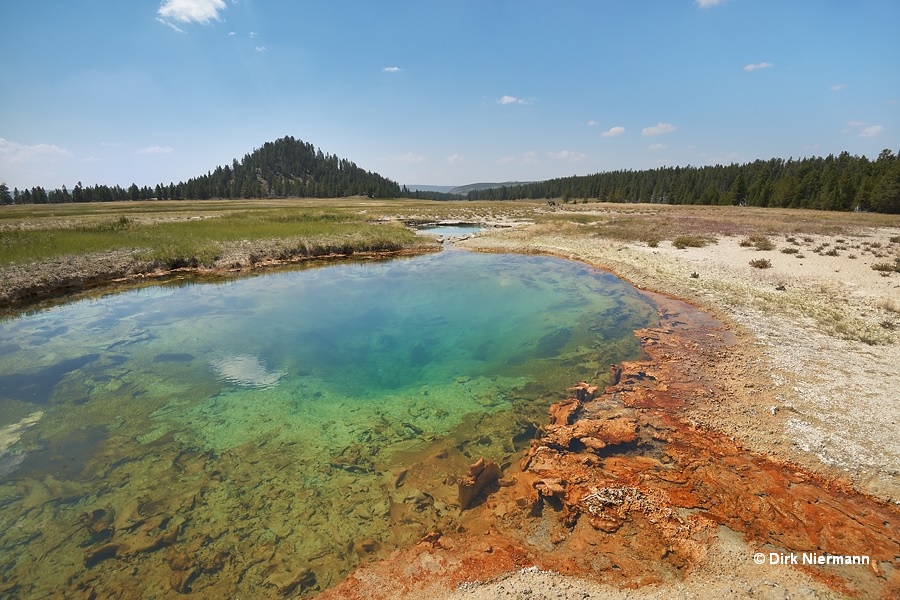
[{"x": 165, "y": 236}]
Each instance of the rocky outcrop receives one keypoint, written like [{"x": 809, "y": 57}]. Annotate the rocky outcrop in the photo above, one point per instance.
[{"x": 481, "y": 474}]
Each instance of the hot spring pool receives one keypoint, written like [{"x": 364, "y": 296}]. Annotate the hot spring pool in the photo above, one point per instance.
[{"x": 217, "y": 438}]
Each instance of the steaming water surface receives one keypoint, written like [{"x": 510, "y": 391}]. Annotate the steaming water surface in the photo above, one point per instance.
[{"x": 246, "y": 437}]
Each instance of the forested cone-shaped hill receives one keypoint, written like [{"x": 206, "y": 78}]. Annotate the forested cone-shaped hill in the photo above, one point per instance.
[
  {"x": 285, "y": 167},
  {"x": 841, "y": 182}
]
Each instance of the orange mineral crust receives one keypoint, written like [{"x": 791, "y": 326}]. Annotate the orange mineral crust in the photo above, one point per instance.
[{"x": 624, "y": 487}]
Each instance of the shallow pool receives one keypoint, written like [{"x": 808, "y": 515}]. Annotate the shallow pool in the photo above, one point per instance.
[{"x": 270, "y": 432}]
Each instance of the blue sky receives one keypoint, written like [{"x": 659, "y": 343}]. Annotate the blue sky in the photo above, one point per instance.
[{"x": 440, "y": 92}]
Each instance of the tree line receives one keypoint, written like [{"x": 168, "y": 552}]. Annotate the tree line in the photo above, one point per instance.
[
  {"x": 284, "y": 168},
  {"x": 842, "y": 182},
  {"x": 292, "y": 168}
]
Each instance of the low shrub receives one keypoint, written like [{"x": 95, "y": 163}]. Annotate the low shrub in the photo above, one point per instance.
[
  {"x": 761, "y": 263},
  {"x": 758, "y": 241},
  {"x": 691, "y": 241},
  {"x": 886, "y": 267}
]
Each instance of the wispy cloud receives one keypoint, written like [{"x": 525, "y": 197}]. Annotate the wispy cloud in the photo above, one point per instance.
[
  {"x": 758, "y": 66},
  {"x": 17, "y": 153},
  {"x": 568, "y": 155},
  {"x": 156, "y": 150},
  {"x": 170, "y": 24},
  {"x": 613, "y": 132},
  {"x": 513, "y": 100},
  {"x": 260, "y": 49},
  {"x": 592, "y": 123},
  {"x": 529, "y": 158},
  {"x": 659, "y": 129},
  {"x": 188, "y": 11},
  {"x": 860, "y": 129},
  {"x": 408, "y": 157},
  {"x": 708, "y": 3},
  {"x": 455, "y": 158},
  {"x": 873, "y": 131},
  {"x": 656, "y": 147},
  {"x": 838, "y": 87},
  {"x": 392, "y": 69}
]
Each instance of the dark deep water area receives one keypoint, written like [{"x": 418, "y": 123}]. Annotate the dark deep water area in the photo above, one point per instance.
[{"x": 223, "y": 438}]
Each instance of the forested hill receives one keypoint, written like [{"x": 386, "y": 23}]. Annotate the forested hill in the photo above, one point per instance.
[
  {"x": 841, "y": 182},
  {"x": 285, "y": 167}
]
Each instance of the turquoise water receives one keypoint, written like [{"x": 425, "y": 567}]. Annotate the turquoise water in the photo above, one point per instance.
[{"x": 268, "y": 433}]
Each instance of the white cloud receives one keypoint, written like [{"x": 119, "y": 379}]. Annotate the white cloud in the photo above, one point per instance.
[
  {"x": 253, "y": 34},
  {"x": 613, "y": 132},
  {"x": 872, "y": 131},
  {"x": 757, "y": 66},
  {"x": 455, "y": 158},
  {"x": 260, "y": 49},
  {"x": 513, "y": 100},
  {"x": 531, "y": 157},
  {"x": 91, "y": 159},
  {"x": 568, "y": 155},
  {"x": 656, "y": 147},
  {"x": 392, "y": 69},
  {"x": 156, "y": 150},
  {"x": 709, "y": 3},
  {"x": 189, "y": 11},
  {"x": 14, "y": 152},
  {"x": 659, "y": 129},
  {"x": 232, "y": 33},
  {"x": 505, "y": 160},
  {"x": 838, "y": 87},
  {"x": 593, "y": 123}
]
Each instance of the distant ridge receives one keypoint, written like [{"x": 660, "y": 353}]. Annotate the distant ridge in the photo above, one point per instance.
[
  {"x": 462, "y": 190},
  {"x": 475, "y": 187},
  {"x": 442, "y": 189}
]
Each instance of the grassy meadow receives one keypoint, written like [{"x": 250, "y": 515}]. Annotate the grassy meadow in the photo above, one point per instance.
[
  {"x": 190, "y": 233},
  {"x": 200, "y": 233}
]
